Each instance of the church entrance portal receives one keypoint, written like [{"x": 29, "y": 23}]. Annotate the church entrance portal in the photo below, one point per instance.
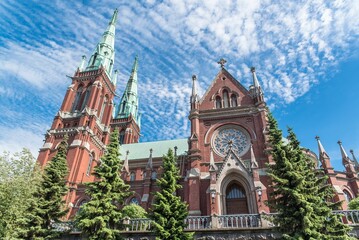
[{"x": 236, "y": 200}]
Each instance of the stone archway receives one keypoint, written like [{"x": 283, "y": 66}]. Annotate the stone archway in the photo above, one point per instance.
[{"x": 237, "y": 194}]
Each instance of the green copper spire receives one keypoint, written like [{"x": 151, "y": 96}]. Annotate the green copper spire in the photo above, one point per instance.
[
  {"x": 129, "y": 101},
  {"x": 104, "y": 54}
]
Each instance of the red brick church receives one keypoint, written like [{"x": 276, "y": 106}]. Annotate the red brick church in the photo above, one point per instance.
[{"x": 222, "y": 162}]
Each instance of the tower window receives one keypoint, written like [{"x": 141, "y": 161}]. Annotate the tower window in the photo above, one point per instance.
[
  {"x": 234, "y": 102},
  {"x": 225, "y": 99},
  {"x": 218, "y": 102},
  {"x": 84, "y": 102},
  {"x": 89, "y": 165},
  {"x": 122, "y": 137},
  {"x": 103, "y": 107},
  {"x": 77, "y": 99}
]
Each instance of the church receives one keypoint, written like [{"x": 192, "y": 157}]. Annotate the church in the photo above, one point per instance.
[{"x": 222, "y": 162}]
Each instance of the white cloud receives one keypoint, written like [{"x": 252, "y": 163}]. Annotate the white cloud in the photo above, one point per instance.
[{"x": 293, "y": 47}]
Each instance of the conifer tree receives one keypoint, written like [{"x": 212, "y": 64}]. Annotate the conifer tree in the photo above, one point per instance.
[
  {"x": 300, "y": 197},
  {"x": 48, "y": 205},
  {"x": 101, "y": 217},
  {"x": 169, "y": 211}
]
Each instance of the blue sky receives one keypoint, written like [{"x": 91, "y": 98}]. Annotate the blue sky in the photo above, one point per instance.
[{"x": 305, "y": 53}]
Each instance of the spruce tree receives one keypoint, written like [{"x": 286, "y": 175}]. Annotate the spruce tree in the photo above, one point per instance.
[
  {"x": 101, "y": 217},
  {"x": 169, "y": 211},
  {"x": 48, "y": 204},
  {"x": 300, "y": 196}
]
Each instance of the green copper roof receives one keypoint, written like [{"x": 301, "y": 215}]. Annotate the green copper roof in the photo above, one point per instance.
[
  {"x": 129, "y": 100},
  {"x": 159, "y": 148},
  {"x": 104, "y": 53}
]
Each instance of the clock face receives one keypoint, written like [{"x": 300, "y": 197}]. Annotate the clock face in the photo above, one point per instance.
[{"x": 230, "y": 136}]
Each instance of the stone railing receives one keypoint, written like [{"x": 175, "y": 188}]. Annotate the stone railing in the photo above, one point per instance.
[
  {"x": 240, "y": 221},
  {"x": 198, "y": 222},
  {"x": 350, "y": 217}
]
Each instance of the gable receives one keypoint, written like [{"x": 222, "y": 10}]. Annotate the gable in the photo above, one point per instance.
[{"x": 225, "y": 82}]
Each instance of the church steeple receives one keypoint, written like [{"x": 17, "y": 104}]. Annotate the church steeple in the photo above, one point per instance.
[
  {"x": 129, "y": 100},
  {"x": 104, "y": 53}
]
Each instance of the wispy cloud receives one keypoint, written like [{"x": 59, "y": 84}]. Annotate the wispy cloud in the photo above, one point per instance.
[{"x": 294, "y": 46}]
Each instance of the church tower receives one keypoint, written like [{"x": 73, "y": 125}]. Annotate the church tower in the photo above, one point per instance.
[
  {"x": 85, "y": 116},
  {"x": 227, "y": 156},
  {"x": 127, "y": 119}
]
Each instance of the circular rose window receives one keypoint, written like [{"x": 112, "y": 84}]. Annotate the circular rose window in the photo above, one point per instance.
[{"x": 232, "y": 136}]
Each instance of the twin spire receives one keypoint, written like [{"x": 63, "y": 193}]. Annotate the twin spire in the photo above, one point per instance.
[
  {"x": 129, "y": 100},
  {"x": 104, "y": 56},
  {"x": 104, "y": 53}
]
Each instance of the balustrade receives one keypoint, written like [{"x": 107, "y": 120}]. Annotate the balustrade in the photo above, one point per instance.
[{"x": 214, "y": 222}]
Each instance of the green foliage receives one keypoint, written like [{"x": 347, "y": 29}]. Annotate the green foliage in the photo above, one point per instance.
[
  {"x": 48, "y": 205},
  {"x": 169, "y": 212},
  {"x": 354, "y": 204},
  {"x": 301, "y": 198},
  {"x": 134, "y": 211},
  {"x": 18, "y": 179},
  {"x": 100, "y": 218}
]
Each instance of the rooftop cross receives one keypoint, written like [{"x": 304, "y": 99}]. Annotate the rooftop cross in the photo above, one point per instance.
[{"x": 222, "y": 62}]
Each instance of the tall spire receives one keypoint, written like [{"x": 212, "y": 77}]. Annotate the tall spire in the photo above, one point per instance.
[
  {"x": 129, "y": 100},
  {"x": 104, "y": 53}
]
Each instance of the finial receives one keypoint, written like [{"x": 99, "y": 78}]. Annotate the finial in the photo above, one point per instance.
[
  {"x": 151, "y": 150},
  {"x": 222, "y": 62},
  {"x": 194, "y": 77},
  {"x": 253, "y": 69},
  {"x": 342, "y": 150},
  {"x": 127, "y": 152},
  {"x": 339, "y": 142},
  {"x": 230, "y": 143},
  {"x": 175, "y": 150},
  {"x": 114, "y": 17},
  {"x": 317, "y": 137}
]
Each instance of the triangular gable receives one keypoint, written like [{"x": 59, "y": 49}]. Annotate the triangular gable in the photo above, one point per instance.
[
  {"x": 223, "y": 71},
  {"x": 231, "y": 161}
]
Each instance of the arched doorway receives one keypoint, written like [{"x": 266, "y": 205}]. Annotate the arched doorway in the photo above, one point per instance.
[{"x": 236, "y": 200}]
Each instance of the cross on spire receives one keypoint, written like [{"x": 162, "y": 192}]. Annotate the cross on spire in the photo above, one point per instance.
[{"x": 222, "y": 62}]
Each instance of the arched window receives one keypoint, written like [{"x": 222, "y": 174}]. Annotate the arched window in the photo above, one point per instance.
[
  {"x": 94, "y": 59},
  {"x": 132, "y": 177},
  {"x": 218, "y": 102},
  {"x": 123, "y": 106},
  {"x": 134, "y": 200},
  {"x": 347, "y": 196},
  {"x": 121, "y": 138},
  {"x": 77, "y": 99},
  {"x": 234, "y": 100},
  {"x": 84, "y": 102},
  {"x": 89, "y": 165},
  {"x": 103, "y": 107},
  {"x": 153, "y": 175},
  {"x": 225, "y": 99}
]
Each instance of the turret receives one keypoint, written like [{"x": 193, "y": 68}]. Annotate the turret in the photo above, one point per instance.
[
  {"x": 255, "y": 89},
  {"x": 324, "y": 157},
  {"x": 104, "y": 53},
  {"x": 348, "y": 164},
  {"x": 194, "y": 96}
]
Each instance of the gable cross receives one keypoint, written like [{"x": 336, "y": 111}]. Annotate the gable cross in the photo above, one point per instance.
[{"x": 222, "y": 62}]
